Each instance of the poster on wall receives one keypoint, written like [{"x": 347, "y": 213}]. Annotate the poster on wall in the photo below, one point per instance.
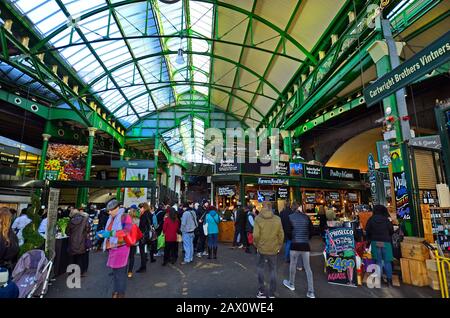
[
  {"x": 135, "y": 195},
  {"x": 340, "y": 255},
  {"x": 69, "y": 160},
  {"x": 296, "y": 169},
  {"x": 401, "y": 195}
]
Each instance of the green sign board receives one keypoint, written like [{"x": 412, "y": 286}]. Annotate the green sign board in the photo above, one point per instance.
[
  {"x": 51, "y": 175},
  {"x": 417, "y": 66}
]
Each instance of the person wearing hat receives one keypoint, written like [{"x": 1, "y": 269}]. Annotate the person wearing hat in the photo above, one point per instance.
[{"x": 118, "y": 226}]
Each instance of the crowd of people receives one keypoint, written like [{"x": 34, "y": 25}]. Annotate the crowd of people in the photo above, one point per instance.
[{"x": 158, "y": 231}]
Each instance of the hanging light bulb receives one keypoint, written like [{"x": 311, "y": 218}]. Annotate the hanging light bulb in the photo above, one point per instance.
[{"x": 180, "y": 58}]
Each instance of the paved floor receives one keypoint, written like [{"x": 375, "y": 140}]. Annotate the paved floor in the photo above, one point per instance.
[{"x": 232, "y": 275}]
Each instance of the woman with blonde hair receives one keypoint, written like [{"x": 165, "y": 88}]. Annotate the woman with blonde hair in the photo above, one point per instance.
[{"x": 9, "y": 244}]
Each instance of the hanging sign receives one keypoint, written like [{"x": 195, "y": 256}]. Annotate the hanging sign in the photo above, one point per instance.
[
  {"x": 334, "y": 196},
  {"x": 428, "y": 59},
  {"x": 313, "y": 172},
  {"x": 383, "y": 153},
  {"x": 135, "y": 195},
  {"x": 227, "y": 166},
  {"x": 283, "y": 193},
  {"x": 266, "y": 195},
  {"x": 432, "y": 142},
  {"x": 282, "y": 168},
  {"x": 310, "y": 197},
  {"x": 51, "y": 175},
  {"x": 228, "y": 191},
  {"x": 273, "y": 181},
  {"x": 136, "y": 164},
  {"x": 401, "y": 196}
]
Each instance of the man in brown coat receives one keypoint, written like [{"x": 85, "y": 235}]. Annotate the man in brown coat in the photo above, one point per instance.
[{"x": 268, "y": 239}]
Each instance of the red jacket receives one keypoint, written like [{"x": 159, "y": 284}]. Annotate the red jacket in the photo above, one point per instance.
[{"x": 170, "y": 229}]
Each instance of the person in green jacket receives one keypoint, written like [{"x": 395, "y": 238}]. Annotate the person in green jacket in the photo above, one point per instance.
[{"x": 268, "y": 237}]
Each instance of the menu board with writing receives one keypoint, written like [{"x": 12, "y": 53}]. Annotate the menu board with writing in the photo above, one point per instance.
[
  {"x": 283, "y": 193},
  {"x": 228, "y": 191},
  {"x": 340, "y": 264}
]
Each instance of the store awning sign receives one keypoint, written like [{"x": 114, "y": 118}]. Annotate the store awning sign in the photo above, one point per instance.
[
  {"x": 137, "y": 164},
  {"x": 341, "y": 174},
  {"x": 266, "y": 195},
  {"x": 273, "y": 181},
  {"x": 422, "y": 63},
  {"x": 227, "y": 167},
  {"x": 432, "y": 142},
  {"x": 282, "y": 168}
]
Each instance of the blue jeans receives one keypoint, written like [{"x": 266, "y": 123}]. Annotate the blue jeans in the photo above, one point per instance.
[
  {"x": 381, "y": 251},
  {"x": 188, "y": 245},
  {"x": 120, "y": 280},
  {"x": 287, "y": 250},
  {"x": 212, "y": 240}
]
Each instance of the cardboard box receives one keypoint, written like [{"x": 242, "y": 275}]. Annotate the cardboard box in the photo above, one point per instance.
[
  {"x": 414, "y": 272},
  {"x": 414, "y": 250}
]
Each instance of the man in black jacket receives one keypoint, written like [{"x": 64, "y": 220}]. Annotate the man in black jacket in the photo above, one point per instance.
[
  {"x": 285, "y": 213},
  {"x": 201, "y": 242},
  {"x": 299, "y": 231}
]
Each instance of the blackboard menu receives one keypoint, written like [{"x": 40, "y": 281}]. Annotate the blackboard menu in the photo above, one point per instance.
[
  {"x": 341, "y": 264},
  {"x": 9, "y": 158},
  {"x": 313, "y": 172},
  {"x": 283, "y": 193},
  {"x": 227, "y": 191},
  {"x": 282, "y": 168}
]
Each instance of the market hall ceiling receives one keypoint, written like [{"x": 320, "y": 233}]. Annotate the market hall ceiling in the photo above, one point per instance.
[{"x": 239, "y": 54}]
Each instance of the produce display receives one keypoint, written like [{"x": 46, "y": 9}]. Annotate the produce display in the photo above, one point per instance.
[
  {"x": 62, "y": 224},
  {"x": 69, "y": 160}
]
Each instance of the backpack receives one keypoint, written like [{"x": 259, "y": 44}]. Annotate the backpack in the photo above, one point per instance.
[{"x": 155, "y": 220}]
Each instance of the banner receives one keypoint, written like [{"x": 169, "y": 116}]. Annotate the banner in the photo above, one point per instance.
[
  {"x": 341, "y": 174},
  {"x": 340, "y": 264},
  {"x": 412, "y": 69},
  {"x": 135, "y": 195},
  {"x": 273, "y": 181},
  {"x": 69, "y": 160}
]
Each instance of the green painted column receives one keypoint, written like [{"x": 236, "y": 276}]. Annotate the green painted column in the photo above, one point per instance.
[
  {"x": 379, "y": 52},
  {"x": 46, "y": 138},
  {"x": 120, "y": 175},
  {"x": 287, "y": 142},
  {"x": 83, "y": 193}
]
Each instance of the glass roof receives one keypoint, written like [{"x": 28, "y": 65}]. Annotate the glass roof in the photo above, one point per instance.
[
  {"x": 108, "y": 50},
  {"x": 188, "y": 140}
]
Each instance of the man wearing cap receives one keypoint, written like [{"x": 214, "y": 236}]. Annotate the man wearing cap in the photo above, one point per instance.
[{"x": 118, "y": 226}]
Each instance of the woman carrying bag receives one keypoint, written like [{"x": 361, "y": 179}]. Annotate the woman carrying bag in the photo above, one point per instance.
[
  {"x": 119, "y": 225},
  {"x": 212, "y": 221}
]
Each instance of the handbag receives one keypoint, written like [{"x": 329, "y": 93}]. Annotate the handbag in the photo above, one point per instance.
[
  {"x": 179, "y": 238},
  {"x": 134, "y": 235},
  {"x": 250, "y": 238}
]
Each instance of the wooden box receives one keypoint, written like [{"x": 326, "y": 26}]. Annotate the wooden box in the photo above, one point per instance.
[
  {"x": 425, "y": 209},
  {"x": 414, "y": 250},
  {"x": 431, "y": 265},
  {"x": 434, "y": 284},
  {"x": 226, "y": 231},
  {"x": 433, "y": 275},
  {"x": 429, "y": 237},
  {"x": 414, "y": 272}
]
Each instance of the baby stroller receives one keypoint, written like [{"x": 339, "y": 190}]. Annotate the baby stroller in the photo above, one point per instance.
[{"x": 32, "y": 274}]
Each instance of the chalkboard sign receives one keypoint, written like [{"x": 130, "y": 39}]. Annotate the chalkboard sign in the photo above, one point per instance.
[
  {"x": 283, "y": 193},
  {"x": 228, "y": 191},
  {"x": 341, "y": 264}
]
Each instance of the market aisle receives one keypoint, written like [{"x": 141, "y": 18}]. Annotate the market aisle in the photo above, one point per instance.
[{"x": 232, "y": 275}]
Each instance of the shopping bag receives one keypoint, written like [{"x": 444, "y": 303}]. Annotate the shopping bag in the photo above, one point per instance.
[
  {"x": 250, "y": 238},
  {"x": 205, "y": 229},
  {"x": 134, "y": 236},
  {"x": 161, "y": 241}
]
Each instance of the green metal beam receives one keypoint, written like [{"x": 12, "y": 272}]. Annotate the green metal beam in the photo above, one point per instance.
[
  {"x": 269, "y": 65},
  {"x": 215, "y": 2}
]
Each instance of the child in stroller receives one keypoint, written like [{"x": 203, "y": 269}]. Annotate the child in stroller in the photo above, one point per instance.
[{"x": 32, "y": 274}]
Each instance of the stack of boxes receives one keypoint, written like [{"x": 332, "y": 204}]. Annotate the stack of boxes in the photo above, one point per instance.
[
  {"x": 427, "y": 225},
  {"x": 413, "y": 261}
]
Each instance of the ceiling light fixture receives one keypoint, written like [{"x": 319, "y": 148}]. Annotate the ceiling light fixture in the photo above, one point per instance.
[{"x": 180, "y": 58}]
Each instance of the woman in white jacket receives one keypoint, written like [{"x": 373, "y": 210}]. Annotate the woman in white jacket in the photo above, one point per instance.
[{"x": 19, "y": 224}]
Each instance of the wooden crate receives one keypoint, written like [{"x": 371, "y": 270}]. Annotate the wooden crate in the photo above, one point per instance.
[
  {"x": 431, "y": 265},
  {"x": 434, "y": 284},
  {"x": 429, "y": 237},
  {"x": 425, "y": 209},
  {"x": 226, "y": 231},
  {"x": 414, "y": 272},
  {"x": 406, "y": 276},
  {"x": 414, "y": 250},
  {"x": 433, "y": 275}
]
